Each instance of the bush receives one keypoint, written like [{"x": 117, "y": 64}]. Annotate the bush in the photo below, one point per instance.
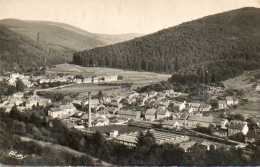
[
  {"x": 120, "y": 77},
  {"x": 19, "y": 127}
]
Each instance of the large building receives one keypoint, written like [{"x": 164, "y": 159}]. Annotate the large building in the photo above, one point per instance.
[
  {"x": 130, "y": 139},
  {"x": 129, "y": 114},
  {"x": 62, "y": 111}
]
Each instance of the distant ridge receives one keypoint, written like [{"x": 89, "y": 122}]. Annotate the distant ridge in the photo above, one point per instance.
[
  {"x": 59, "y": 34},
  {"x": 223, "y": 45},
  {"x": 26, "y": 44}
]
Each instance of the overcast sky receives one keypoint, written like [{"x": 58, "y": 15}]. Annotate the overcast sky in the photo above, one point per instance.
[{"x": 118, "y": 16}]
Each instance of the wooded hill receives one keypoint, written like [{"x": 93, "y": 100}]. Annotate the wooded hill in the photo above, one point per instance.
[
  {"x": 28, "y": 44},
  {"x": 62, "y": 36},
  {"x": 219, "y": 46},
  {"x": 20, "y": 53}
]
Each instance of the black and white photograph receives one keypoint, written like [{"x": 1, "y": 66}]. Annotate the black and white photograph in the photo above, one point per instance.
[{"x": 129, "y": 83}]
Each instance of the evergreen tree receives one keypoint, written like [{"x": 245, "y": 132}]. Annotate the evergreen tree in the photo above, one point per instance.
[{"x": 20, "y": 86}]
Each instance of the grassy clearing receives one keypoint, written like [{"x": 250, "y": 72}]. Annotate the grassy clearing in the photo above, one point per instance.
[
  {"x": 246, "y": 82},
  {"x": 137, "y": 78},
  {"x": 128, "y": 76}
]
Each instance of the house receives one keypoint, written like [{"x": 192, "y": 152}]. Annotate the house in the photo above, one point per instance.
[
  {"x": 220, "y": 133},
  {"x": 62, "y": 111},
  {"x": 111, "y": 110},
  {"x": 115, "y": 101},
  {"x": 142, "y": 100},
  {"x": 236, "y": 101},
  {"x": 17, "y": 99},
  {"x": 37, "y": 100},
  {"x": 25, "y": 79},
  {"x": 150, "y": 114},
  {"x": 222, "y": 105},
  {"x": 193, "y": 107},
  {"x": 236, "y": 127},
  {"x": 162, "y": 112},
  {"x": 132, "y": 98},
  {"x": 230, "y": 100},
  {"x": 151, "y": 103},
  {"x": 168, "y": 92},
  {"x": 124, "y": 101},
  {"x": 87, "y": 80},
  {"x": 129, "y": 114},
  {"x": 101, "y": 121},
  {"x": 215, "y": 91},
  {"x": 165, "y": 102},
  {"x": 209, "y": 145},
  {"x": 257, "y": 88},
  {"x": 184, "y": 115},
  {"x": 133, "y": 95},
  {"x": 78, "y": 80},
  {"x": 222, "y": 123},
  {"x": 205, "y": 108},
  {"x": 113, "y": 134},
  {"x": 107, "y": 100},
  {"x": 94, "y": 103},
  {"x": 177, "y": 106},
  {"x": 110, "y": 78},
  {"x": 44, "y": 80},
  {"x": 96, "y": 79},
  {"x": 187, "y": 145},
  {"x": 152, "y": 94}
]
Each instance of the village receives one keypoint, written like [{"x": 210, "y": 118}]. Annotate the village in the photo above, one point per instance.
[{"x": 172, "y": 117}]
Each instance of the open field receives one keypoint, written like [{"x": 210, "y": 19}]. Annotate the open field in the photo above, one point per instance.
[
  {"x": 136, "y": 78},
  {"x": 128, "y": 76},
  {"x": 83, "y": 89}
]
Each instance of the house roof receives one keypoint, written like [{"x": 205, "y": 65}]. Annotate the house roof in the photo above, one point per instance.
[
  {"x": 177, "y": 103},
  {"x": 63, "y": 107},
  {"x": 161, "y": 111},
  {"x": 207, "y": 119},
  {"x": 222, "y": 102},
  {"x": 205, "y": 106},
  {"x": 172, "y": 122},
  {"x": 194, "y": 104},
  {"x": 184, "y": 115},
  {"x": 229, "y": 98},
  {"x": 126, "y": 112},
  {"x": 187, "y": 145},
  {"x": 234, "y": 124}
]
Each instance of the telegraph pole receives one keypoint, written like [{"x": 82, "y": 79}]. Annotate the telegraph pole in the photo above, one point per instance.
[
  {"x": 89, "y": 109},
  {"x": 38, "y": 37}
]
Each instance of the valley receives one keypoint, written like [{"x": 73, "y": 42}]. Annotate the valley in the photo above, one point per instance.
[{"x": 184, "y": 95}]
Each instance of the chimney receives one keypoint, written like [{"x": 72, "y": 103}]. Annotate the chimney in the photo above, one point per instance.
[{"x": 89, "y": 109}]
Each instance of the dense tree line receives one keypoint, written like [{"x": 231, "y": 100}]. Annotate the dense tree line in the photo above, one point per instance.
[
  {"x": 223, "y": 45},
  {"x": 35, "y": 124}
]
